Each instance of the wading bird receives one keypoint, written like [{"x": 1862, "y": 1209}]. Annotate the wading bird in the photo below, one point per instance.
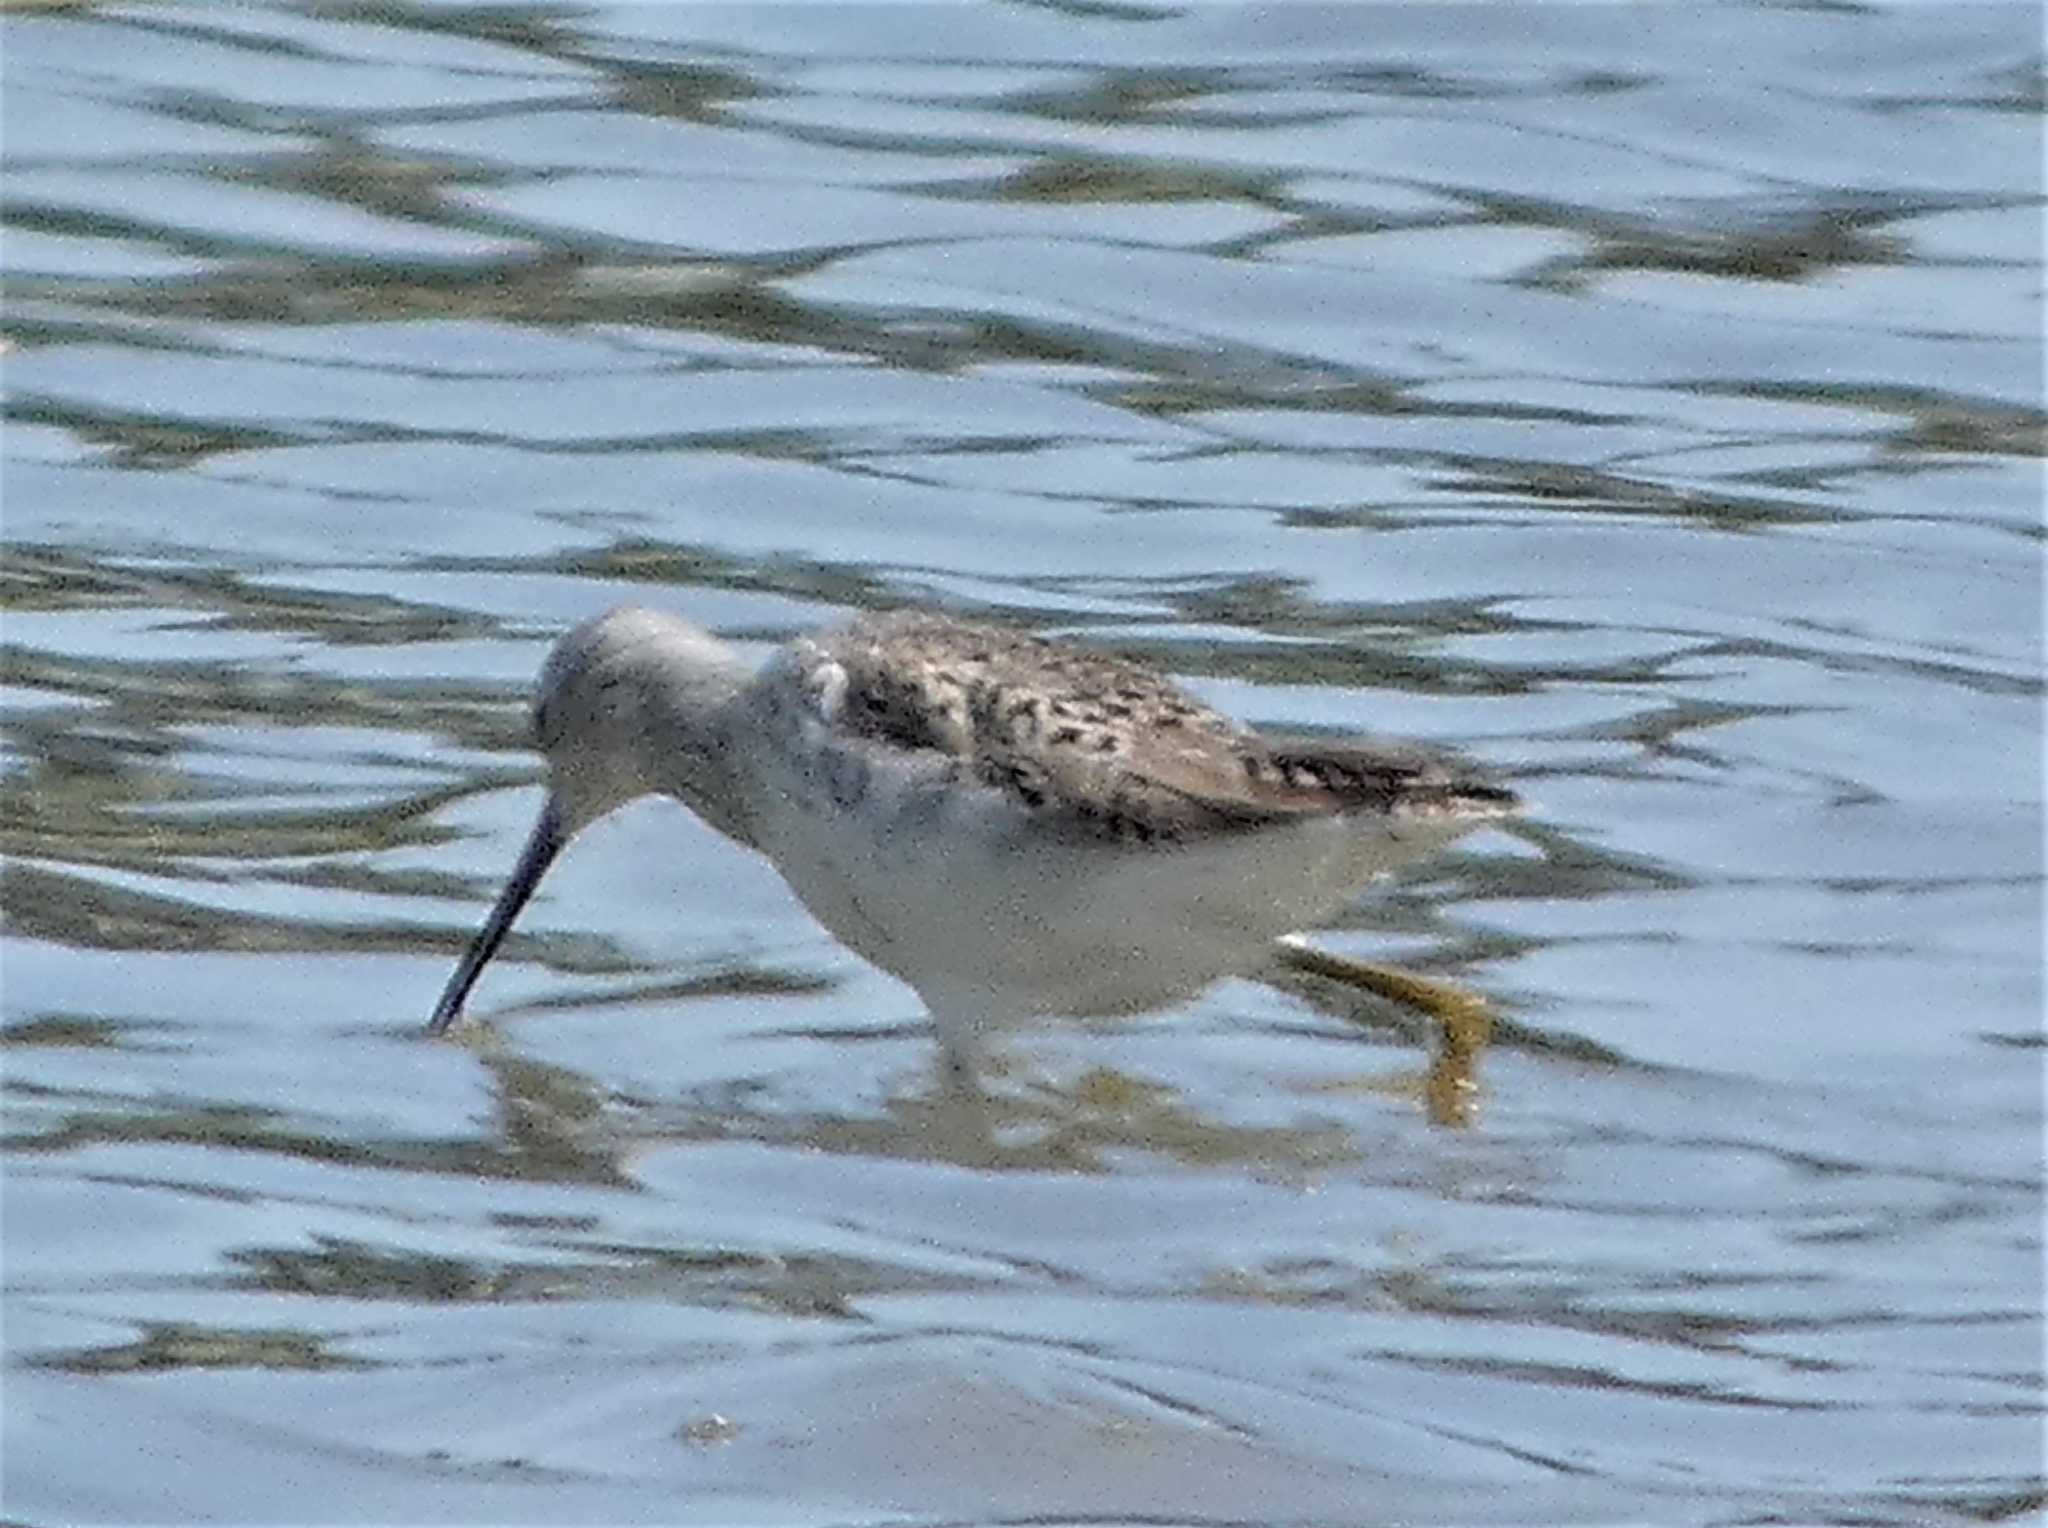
[{"x": 1012, "y": 826}]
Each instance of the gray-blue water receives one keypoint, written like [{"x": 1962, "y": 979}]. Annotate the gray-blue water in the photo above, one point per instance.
[{"x": 1647, "y": 400}]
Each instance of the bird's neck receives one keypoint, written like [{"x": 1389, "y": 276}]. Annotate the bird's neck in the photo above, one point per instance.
[{"x": 690, "y": 744}]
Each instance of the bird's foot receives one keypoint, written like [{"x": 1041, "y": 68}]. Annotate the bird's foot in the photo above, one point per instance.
[{"x": 1464, "y": 1019}]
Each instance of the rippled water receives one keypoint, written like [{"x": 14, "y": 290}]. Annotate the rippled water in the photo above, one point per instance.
[{"x": 1647, "y": 400}]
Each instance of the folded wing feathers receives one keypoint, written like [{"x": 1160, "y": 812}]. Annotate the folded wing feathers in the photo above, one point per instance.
[{"x": 1112, "y": 746}]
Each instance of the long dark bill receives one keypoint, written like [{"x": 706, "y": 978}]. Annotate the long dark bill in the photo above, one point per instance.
[{"x": 542, "y": 846}]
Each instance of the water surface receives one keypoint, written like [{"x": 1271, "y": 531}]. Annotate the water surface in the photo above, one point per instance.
[{"x": 1646, "y": 401}]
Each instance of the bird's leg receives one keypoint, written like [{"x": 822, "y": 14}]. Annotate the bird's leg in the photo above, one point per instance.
[
  {"x": 962, "y": 1119},
  {"x": 963, "y": 1018},
  {"x": 960, "y": 1058},
  {"x": 1463, "y": 1018}
]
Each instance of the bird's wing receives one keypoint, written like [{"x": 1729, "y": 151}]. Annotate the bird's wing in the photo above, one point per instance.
[{"x": 1111, "y": 747}]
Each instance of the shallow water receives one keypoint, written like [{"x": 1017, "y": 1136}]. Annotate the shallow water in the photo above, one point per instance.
[{"x": 1647, "y": 401}]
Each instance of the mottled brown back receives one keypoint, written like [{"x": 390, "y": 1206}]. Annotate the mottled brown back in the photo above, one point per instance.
[{"x": 1111, "y": 745}]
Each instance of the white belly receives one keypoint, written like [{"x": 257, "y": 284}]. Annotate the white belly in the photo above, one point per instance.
[{"x": 992, "y": 918}]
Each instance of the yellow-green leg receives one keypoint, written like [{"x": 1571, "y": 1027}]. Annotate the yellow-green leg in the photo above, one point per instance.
[{"x": 1464, "y": 1020}]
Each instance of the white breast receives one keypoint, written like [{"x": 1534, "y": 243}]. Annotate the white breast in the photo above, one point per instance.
[
  {"x": 993, "y": 914},
  {"x": 968, "y": 899}
]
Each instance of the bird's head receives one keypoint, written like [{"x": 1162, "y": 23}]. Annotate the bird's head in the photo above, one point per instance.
[{"x": 630, "y": 703}]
